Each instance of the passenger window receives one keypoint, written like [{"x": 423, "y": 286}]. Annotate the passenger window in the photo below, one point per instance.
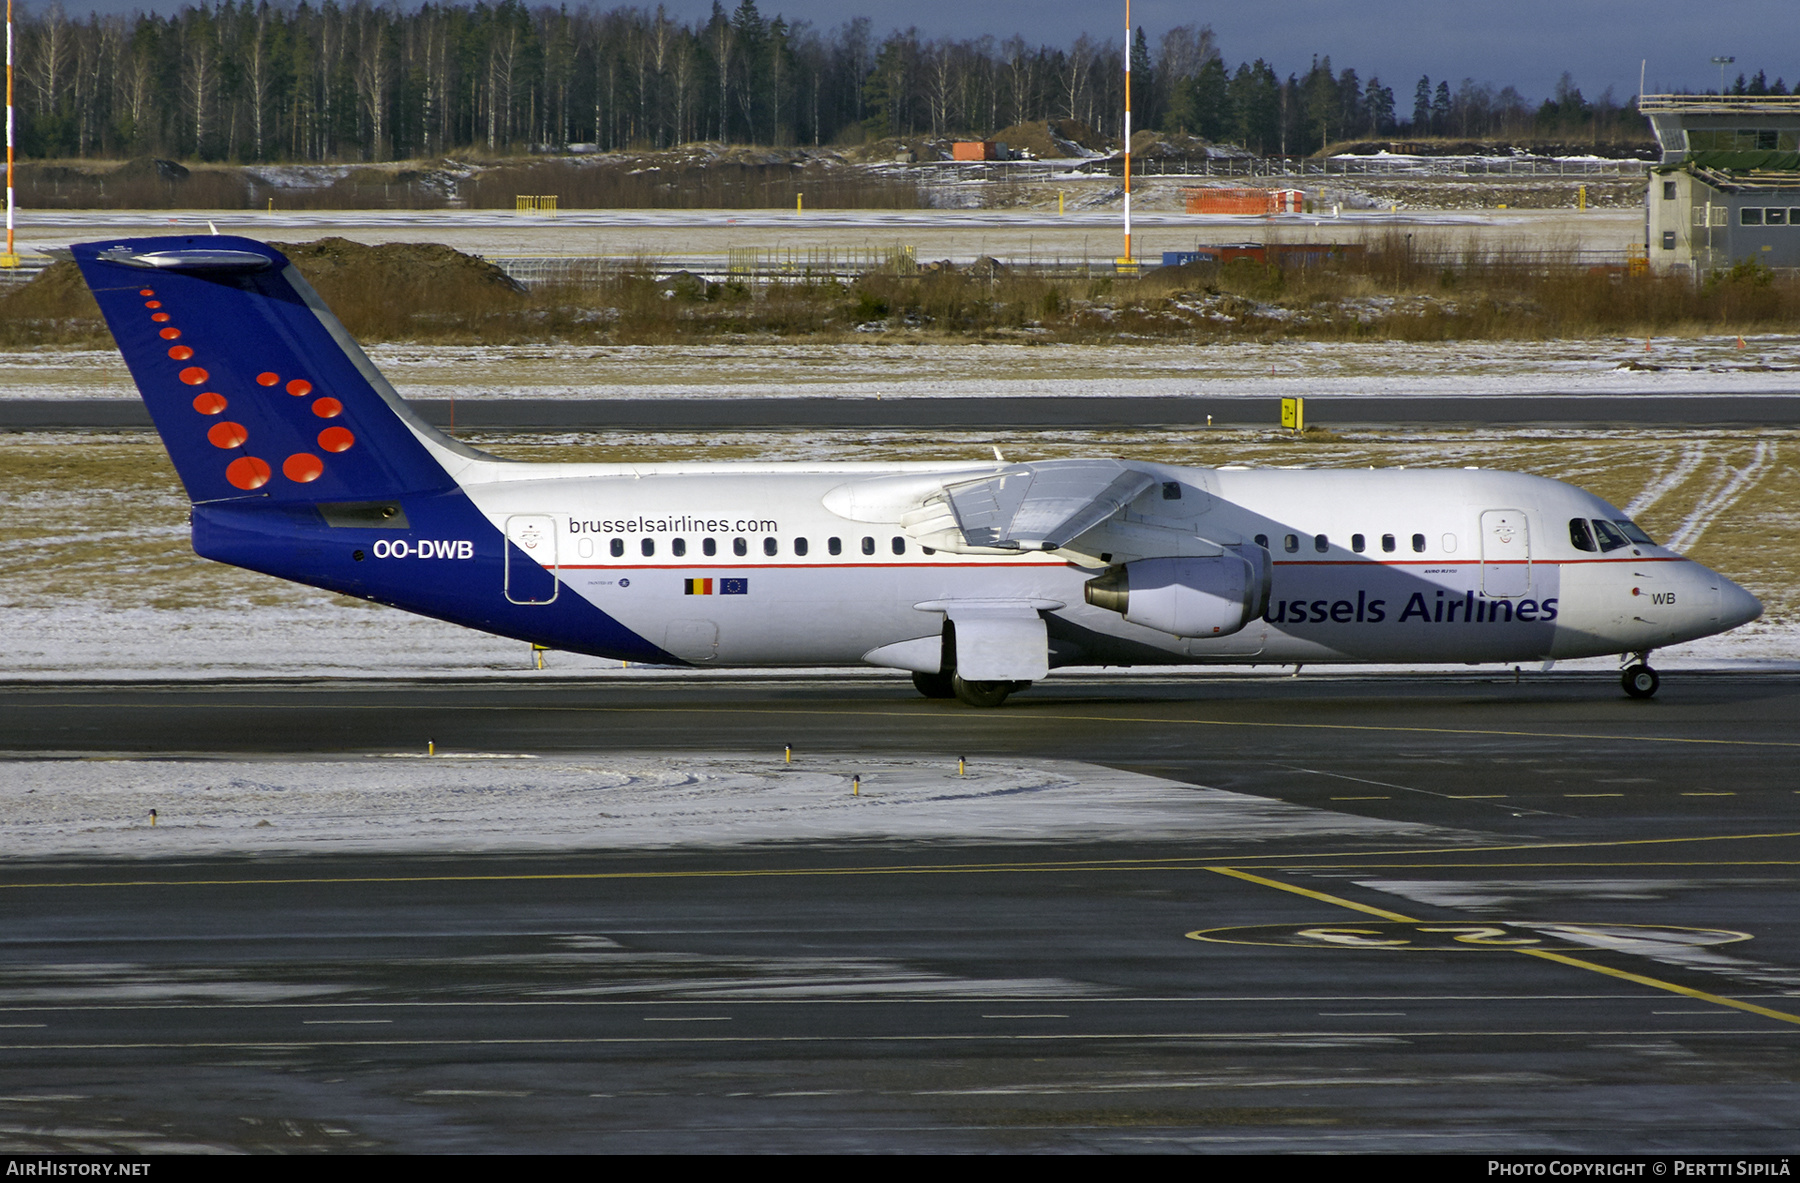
[
  {"x": 648, "y": 546},
  {"x": 1262, "y": 540},
  {"x": 1291, "y": 543},
  {"x": 1387, "y": 543},
  {"x": 770, "y": 546},
  {"x": 868, "y": 546},
  {"x": 1580, "y": 536},
  {"x": 899, "y": 545},
  {"x": 1449, "y": 541},
  {"x": 585, "y": 548},
  {"x": 739, "y": 547},
  {"x": 679, "y": 546},
  {"x": 617, "y": 547},
  {"x": 835, "y": 545},
  {"x": 1418, "y": 544},
  {"x": 1609, "y": 536},
  {"x": 1321, "y": 543},
  {"x": 800, "y": 547},
  {"x": 710, "y": 547},
  {"x": 1358, "y": 543}
]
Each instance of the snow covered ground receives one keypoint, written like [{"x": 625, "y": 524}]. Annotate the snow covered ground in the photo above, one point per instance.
[
  {"x": 1713, "y": 365},
  {"x": 409, "y": 802}
]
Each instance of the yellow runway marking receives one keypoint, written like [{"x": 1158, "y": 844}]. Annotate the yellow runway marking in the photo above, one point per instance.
[
  {"x": 940, "y": 717},
  {"x": 1659, "y": 984},
  {"x": 1308, "y": 892},
  {"x": 1316, "y": 860},
  {"x": 1593, "y": 794},
  {"x": 1709, "y": 794},
  {"x": 1542, "y": 954}
]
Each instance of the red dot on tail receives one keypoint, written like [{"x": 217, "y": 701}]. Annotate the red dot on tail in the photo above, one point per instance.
[
  {"x": 169, "y": 334},
  {"x": 298, "y": 387},
  {"x": 146, "y": 292},
  {"x": 327, "y": 408},
  {"x": 194, "y": 375},
  {"x": 181, "y": 353},
  {"x": 247, "y": 472},
  {"x": 159, "y": 317},
  {"x": 227, "y": 435},
  {"x": 302, "y": 467},
  {"x": 151, "y": 303},
  {"x": 267, "y": 379},
  {"x": 209, "y": 403},
  {"x": 336, "y": 439}
]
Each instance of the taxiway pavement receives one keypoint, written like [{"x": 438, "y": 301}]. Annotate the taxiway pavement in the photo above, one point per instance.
[{"x": 1590, "y": 945}]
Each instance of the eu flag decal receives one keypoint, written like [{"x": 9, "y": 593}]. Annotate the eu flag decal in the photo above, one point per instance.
[{"x": 734, "y": 587}]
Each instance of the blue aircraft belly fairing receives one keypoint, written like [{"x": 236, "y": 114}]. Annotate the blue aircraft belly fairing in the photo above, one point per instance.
[{"x": 267, "y": 417}]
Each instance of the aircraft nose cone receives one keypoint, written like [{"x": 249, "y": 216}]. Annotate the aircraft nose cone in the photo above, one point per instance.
[{"x": 1736, "y": 606}]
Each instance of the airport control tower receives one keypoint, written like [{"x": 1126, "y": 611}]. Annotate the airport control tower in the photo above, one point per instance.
[{"x": 1728, "y": 186}]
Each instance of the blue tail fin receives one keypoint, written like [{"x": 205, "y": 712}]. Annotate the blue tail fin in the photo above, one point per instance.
[
  {"x": 257, "y": 390},
  {"x": 301, "y": 460}
]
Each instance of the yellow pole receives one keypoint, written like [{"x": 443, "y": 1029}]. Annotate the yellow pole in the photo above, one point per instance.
[{"x": 799, "y": 202}]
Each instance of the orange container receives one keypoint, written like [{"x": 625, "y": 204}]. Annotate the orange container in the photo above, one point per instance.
[{"x": 1245, "y": 201}]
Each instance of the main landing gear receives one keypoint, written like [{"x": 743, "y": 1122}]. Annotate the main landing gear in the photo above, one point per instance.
[
  {"x": 1639, "y": 680},
  {"x": 975, "y": 694}
]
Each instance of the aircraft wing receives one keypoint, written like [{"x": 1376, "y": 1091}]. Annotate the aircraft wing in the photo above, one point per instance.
[{"x": 1041, "y": 505}]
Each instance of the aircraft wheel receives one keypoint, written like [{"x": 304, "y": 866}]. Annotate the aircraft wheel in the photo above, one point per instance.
[
  {"x": 934, "y": 685},
  {"x": 1640, "y": 681},
  {"x": 981, "y": 694}
]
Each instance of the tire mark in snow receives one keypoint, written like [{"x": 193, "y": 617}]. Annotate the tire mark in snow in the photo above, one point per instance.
[
  {"x": 1691, "y": 459},
  {"x": 1713, "y": 504}
]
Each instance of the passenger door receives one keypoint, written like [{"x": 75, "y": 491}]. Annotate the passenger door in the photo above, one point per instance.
[
  {"x": 1505, "y": 554},
  {"x": 531, "y": 559}
]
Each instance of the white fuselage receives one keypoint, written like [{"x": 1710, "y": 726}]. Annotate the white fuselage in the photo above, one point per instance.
[{"x": 794, "y": 564}]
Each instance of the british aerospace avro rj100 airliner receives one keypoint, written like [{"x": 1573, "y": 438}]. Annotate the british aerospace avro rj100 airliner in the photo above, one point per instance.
[{"x": 979, "y": 577}]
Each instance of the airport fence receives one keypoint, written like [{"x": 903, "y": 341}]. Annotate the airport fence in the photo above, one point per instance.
[
  {"x": 758, "y": 266},
  {"x": 1018, "y": 171}
]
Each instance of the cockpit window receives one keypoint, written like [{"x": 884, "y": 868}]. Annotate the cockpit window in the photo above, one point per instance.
[
  {"x": 1580, "y": 535},
  {"x": 1631, "y": 531},
  {"x": 1609, "y": 536}
]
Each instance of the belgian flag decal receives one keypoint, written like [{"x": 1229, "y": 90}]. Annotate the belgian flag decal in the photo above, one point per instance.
[{"x": 730, "y": 586}]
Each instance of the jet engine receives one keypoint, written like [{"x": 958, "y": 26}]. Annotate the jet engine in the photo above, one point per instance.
[{"x": 1189, "y": 597}]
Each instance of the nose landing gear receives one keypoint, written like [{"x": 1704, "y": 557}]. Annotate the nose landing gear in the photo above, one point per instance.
[{"x": 1638, "y": 679}]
